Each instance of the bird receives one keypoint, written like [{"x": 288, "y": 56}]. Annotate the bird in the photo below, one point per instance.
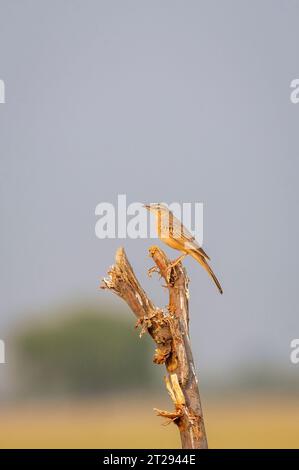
[{"x": 172, "y": 232}]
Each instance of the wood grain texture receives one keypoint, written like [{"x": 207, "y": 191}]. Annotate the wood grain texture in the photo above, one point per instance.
[{"x": 169, "y": 328}]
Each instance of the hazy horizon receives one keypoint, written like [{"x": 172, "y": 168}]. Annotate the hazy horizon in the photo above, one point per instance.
[{"x": 159, "y": 101}]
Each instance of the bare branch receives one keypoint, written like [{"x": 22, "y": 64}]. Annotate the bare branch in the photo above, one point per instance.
[{"x": 170, "y": 331}]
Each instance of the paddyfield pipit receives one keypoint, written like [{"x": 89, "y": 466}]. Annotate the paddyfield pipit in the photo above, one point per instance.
[{"x": 172, "y": 232}]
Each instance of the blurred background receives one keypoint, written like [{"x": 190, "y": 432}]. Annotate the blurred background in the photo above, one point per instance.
[{"x": 161, "y": 101}]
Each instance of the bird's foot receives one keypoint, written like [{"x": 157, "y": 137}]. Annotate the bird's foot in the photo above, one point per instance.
[
  {"x": 152, "y": 270},
  {"x": 174, "y": 263}
]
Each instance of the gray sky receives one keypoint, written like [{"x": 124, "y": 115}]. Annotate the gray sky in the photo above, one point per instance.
[{"x": 160, "y": 100}]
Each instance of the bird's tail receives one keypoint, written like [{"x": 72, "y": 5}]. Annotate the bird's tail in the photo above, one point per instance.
[{"x": 201, "y": 260}]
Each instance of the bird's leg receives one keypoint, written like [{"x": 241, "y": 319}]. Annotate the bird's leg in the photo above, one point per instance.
[
  {"x": 152, "y": 270},
  {"x": 176, "y": 261}
]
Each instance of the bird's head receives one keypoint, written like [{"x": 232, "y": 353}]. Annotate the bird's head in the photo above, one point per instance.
[{"x": 156, "y": 207}]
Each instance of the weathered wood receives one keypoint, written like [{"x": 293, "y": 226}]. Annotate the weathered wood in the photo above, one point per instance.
[{"x": 169, "y": 329}]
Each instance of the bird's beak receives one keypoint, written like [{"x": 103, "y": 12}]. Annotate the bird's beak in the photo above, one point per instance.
[{"x": 147, "y": 206}]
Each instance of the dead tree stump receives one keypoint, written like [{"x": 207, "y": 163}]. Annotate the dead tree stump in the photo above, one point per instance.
[{"x": 169, "y": 328}]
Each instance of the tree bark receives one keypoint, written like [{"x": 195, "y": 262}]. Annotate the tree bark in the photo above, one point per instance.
[{"x": 169, "y": 328}]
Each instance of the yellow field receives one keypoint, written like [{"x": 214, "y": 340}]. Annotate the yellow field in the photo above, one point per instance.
[{"x": 248, "y": 423}]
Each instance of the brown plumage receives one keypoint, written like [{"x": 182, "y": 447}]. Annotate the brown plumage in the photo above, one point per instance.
[{"x": 172, "y": 232}]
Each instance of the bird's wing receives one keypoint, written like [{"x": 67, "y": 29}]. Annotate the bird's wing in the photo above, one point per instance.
[
  {"x": 179, "y": 232},
  {"x": 201, "y": 251}
]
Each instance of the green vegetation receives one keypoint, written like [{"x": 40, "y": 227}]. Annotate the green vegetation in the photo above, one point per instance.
[{"x": 82, "y": 352}]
